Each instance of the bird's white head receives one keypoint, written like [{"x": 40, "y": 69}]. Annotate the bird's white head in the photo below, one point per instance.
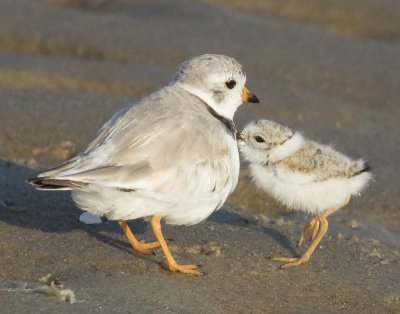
[
  {"x": 265, "y": 141},
  {"x": 216, "y": 79}
]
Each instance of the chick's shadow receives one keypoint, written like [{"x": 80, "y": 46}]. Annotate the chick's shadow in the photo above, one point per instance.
[{"x": 236, "y": 219}]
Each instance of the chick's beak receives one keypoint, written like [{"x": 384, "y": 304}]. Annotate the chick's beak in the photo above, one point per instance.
[
  {"x": 240, "y": 137},
  {"x": 248, "y": 96}
]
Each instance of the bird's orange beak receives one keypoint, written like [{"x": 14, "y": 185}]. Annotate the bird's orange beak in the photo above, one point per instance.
[{"x": 247, "y": 96}]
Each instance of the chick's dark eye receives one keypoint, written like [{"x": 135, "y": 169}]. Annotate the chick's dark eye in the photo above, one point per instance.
[
  {"x": 230, "y": 84},
  {"x": 259, "y": 139}
]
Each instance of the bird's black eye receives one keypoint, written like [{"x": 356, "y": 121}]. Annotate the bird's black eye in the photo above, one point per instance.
[
  {"x": 230, "y": 84},
  {"x": 259, "y": 139}
]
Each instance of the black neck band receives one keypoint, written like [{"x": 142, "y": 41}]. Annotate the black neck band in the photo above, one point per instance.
[{"x": 228, "y": 123}]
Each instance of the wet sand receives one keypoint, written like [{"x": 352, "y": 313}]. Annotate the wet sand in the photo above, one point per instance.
[{"x": 66, "y": 66}]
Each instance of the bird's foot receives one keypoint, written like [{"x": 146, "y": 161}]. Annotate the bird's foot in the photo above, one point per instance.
[
  {"x": 310, "y": 230},
  {"x": 185, "y": 269},
  {"x": 291, "y": 261},
  {"x": 145, "y": 247}
]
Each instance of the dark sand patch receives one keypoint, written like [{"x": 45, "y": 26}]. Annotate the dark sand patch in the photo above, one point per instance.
[
  {"x": 369, "y": 19},
  {"x": 37, "y": 80},
  {"x": 61, "y": 48}
]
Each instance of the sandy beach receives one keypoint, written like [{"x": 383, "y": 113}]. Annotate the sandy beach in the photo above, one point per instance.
[{"x": 67, "y": 65}]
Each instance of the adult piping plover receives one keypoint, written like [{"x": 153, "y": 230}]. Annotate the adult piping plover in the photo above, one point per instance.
[
  {"x": 302, "y": 174},
  {"x": 172, "y": 155}
]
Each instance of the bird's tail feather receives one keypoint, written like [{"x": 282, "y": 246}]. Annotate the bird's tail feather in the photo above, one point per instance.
[
  {"x": 365, "y": 168},
  {"x": 47, "y": 183}
]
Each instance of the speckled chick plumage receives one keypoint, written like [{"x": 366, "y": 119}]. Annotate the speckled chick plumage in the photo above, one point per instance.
[{"x": 300, "y": 173}]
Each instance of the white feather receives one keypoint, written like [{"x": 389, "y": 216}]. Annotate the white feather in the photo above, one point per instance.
[
  {"x": 310, "y": 196},
  {"x": 286, "y": 149}
]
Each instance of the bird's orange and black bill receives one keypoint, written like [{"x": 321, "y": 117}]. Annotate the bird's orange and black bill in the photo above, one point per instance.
[{"x": 247, "y": 96}]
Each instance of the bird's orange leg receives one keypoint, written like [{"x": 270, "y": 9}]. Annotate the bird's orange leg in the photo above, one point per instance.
[
  {"x": 138, "y": 246},
  {"x": 318, "y": 227},
  {"x": 310, "y": 229},
  {"x": 172, "y": 264},
  {"x": 295, "y": 261}
]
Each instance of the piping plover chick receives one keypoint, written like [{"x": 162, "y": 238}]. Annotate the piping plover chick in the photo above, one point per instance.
[
  {"x": 301, "y": 174},
  {"x": 172, "y": 155}
]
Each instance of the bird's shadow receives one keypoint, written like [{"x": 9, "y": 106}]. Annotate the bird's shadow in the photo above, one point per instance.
[{"x": 23, "y": 206}]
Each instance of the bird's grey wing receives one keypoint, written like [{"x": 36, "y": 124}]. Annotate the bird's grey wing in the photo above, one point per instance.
[
  {"x": 182, "y": 159},
  {"x": 157, "y": 148},
  {"x": 316, "y": 162},
  {"x": 78, "y": 162},
  {"x": 107, "y": 129},
  {"x": 129, "y": 126}
]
